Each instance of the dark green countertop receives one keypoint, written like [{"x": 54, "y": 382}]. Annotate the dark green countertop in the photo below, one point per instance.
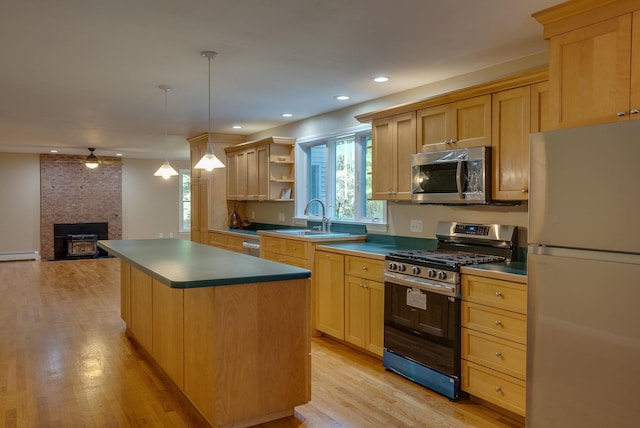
[
  {"x": 179, "y": 263},
  {"x": 515, "y": 268}
]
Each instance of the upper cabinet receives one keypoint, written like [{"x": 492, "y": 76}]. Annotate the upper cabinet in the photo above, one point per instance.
[
  {"x": 261, "y": 170},
  {"x": 394, "y": 141},
  {"x": 465, "y": 123},
  {"x": 594, "y": 62},
  {"x": 500, "y": 114},
  {"x": 207, "y": 187}
]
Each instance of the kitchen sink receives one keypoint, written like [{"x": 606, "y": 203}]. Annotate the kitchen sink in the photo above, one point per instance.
[{"x": 309, "y": 233}]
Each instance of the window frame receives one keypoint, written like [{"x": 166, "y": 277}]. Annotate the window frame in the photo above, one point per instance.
[
  {"x": 303, "y": 146},
  {"x": 181, "y": 174}
]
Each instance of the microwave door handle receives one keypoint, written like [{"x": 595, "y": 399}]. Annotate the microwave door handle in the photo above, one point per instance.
[{"x": 459, "y": 173}]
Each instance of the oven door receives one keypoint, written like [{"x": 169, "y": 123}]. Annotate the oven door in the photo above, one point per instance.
[{"x": 423, "y": 326}]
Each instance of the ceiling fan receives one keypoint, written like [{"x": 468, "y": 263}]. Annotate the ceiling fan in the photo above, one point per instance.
[{"x": 91, "y": 161}]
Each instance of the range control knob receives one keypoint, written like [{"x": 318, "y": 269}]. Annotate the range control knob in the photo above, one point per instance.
[
  {"x": 415, "y": 270},
  {"x": 402, "y": 267},
  {"x": 431, "y": 273},
  {"x": 442, "y": 275},
  {"x": 393, "y": 266}
]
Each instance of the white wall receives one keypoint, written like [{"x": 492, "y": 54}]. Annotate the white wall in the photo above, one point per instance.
[
  {"x": 19, "y": 202},
  {"x": 149, "y": 203}
]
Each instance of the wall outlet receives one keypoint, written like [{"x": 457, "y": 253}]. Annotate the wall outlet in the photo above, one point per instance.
[
  {"x": 416, "y": 226},
  {"x": 160, "y": 235},
  {"x": 280, "y": 216},
  {"x": 253, "y": 215},
  {"x": 170, "y": 234}
]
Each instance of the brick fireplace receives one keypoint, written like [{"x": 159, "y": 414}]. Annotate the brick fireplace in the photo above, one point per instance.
[{"x": 71, "y": 193}]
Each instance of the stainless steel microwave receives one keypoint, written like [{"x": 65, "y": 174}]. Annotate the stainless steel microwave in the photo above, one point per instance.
[{"x": 455, "y": 177}]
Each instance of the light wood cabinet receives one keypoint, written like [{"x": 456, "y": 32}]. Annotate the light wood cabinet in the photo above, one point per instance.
[
  {"x": 494, "y": 340},
  {"x": 227, "y": 241},
  {"x": 511, "y": 116},
  {"x": 168, "y": 330},
  {"x": 207, "y": 188},
  {"x": 142, "y": 309},
  {"x": 350, "y": 298},
  {"x": 456, "y": 125},
  {"x": 125, "y": 292},
  {"x": 261, "y": 170},
  {"x": 292, "y": 252},
  {"x": 329, "y": 276},
  {"x": 594, "y": 62},
  {"x": 393, "y": 143},
  {"x": 364, "y": 313}
]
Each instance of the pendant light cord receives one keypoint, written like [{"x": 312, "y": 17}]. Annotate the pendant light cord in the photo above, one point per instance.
[
  {"x": 166, "y": 155},
  {"x": 209, "y": 132}
]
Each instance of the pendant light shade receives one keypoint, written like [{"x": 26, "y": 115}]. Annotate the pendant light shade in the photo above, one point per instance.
[
  {"x": 209, "y": 161},
  {"x": 91, "y": 161},
  {"x": 166, "y": 170}
]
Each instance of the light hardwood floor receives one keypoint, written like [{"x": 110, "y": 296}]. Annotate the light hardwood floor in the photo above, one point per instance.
[{"x": 65, "y": 361}]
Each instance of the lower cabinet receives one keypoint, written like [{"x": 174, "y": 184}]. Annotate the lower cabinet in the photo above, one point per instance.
[
  {"x": 330, "y": 295},
  {"x": 494, "y": 340},
  {"x": 226, "y": 241},
  {"x": 350, "y": 296}
]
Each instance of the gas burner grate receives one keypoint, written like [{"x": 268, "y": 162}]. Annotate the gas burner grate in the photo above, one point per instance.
[{"x": 448, "y": 258}]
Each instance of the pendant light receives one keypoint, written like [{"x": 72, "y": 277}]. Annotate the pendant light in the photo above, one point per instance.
[
  {"x": 166, "y": 170},
  {"x": 91, "y": 161},
  {"x": 209, "y": 161}
]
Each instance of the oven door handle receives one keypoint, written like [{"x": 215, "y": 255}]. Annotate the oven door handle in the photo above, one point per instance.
[{"x": 422, "y": 284}]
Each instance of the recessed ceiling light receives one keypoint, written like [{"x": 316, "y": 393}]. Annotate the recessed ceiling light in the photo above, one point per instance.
[
  {"x": 380, "y": 79},
  {"x": 53, "y": 151},
  {"x": 237, "y": 126},
  {"x": 287, "y": 115},
  {"x": 341, "y": 97}
]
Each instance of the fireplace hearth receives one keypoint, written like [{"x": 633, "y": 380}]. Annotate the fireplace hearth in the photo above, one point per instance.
[{"x": 79, "y": 240}]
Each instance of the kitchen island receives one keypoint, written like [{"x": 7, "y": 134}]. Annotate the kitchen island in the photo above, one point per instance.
[{"x": 232, "y": 331}]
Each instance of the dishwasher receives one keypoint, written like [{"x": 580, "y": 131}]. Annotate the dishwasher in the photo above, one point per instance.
[{"x": 251, "y": 246}]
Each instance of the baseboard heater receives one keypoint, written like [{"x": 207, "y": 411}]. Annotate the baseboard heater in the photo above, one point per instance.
[{"x": 22, "y": 255}]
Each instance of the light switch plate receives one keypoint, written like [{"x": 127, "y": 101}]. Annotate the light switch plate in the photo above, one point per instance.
[
  {"x": 280, "y": 216},
  {"x": 416, "y": 226}
]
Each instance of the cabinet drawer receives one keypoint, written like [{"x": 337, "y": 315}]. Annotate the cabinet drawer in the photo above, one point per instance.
[
  {"x": 235, "y": 244},
  {"x": 217, "y": 240},
  {"x": 495, "y": 387},
  {"x": 498, "y": 293},
  {"x": 503, "y": 355},
  {"x": 498, "y": 322},
  {"x": 282, "y": 258},
  {"x": 295, "y": 248},
  {"x": 364, "y": 268},
  {"x": 274, "y": 245}
]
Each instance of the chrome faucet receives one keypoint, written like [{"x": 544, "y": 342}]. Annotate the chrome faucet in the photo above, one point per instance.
[{"x": 326, "y": 224}]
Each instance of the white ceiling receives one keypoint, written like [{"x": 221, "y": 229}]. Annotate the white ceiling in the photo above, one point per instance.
[{"x": 85, "y": 73}]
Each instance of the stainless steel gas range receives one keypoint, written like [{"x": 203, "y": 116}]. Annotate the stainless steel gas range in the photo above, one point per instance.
[{"x": 422, "y": 301}]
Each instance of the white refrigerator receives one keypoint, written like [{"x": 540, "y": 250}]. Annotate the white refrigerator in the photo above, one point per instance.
[{"x": 583, "y": 315}]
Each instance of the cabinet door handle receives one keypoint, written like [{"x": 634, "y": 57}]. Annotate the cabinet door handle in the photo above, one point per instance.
[
  {"x": 634, "y": 111},
  {"x": 364, "y": 268},
  {"x": 621, "y": 113},
  {"x": 498, "y": 294},
  {"x": 524, "y": 190},
  {"x": 498, "y": 389},
  {"x": 498, "y": 322},
  {"x": 498, "y": 354}
]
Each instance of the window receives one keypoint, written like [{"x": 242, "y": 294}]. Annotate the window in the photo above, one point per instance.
[
  {"x": 185, "y": 200},
  {"x": 337, "y": 171}
]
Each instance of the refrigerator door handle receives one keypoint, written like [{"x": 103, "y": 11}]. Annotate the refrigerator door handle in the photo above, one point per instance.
[{"x": 576, "y": 253}]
